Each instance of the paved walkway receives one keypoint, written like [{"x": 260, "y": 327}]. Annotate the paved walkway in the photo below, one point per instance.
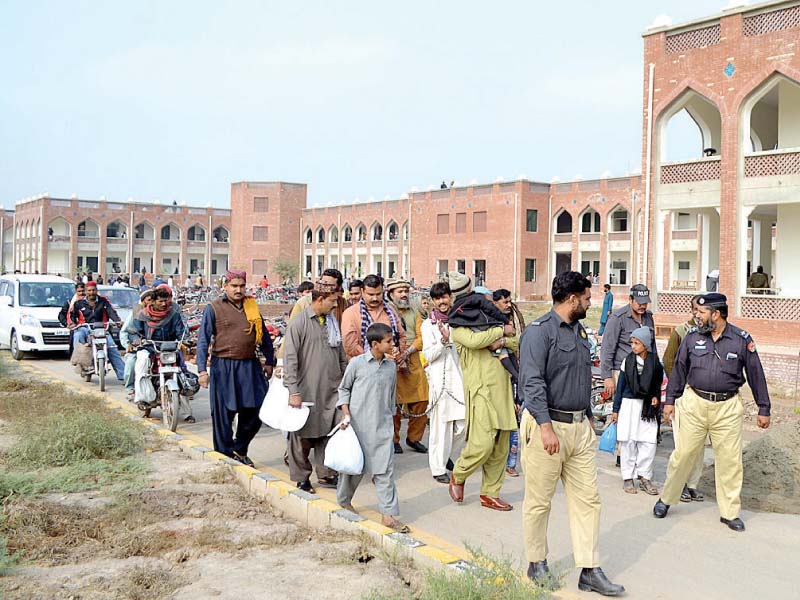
[{"x": 690, "y": 554}]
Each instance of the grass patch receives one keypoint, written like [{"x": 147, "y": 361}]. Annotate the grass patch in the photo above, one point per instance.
[
  {"x": 490, "y": 578},
  {"x": 7, "y": 559},
  {"x": 534, "y": 311},
  {"x": 64, "y": 439},
  {"x": 115, "y": 477}
]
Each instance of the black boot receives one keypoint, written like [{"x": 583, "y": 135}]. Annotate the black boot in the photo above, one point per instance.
[
  {"x": 594, "y": 580},
  {"x": 537, "y": 570},
  {"x": 450, "y": 466},
  {"x": 660, "y": 509}
]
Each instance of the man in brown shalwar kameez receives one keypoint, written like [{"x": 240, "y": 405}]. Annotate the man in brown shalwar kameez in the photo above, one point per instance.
[{"x": 313, "y": 365}]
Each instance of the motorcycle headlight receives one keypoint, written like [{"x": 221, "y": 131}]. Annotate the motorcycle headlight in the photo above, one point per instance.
[
  {"x": 29, "y": 320},
  {"x": 99, "y": 333},
  {"x": 168, "y": 358}
]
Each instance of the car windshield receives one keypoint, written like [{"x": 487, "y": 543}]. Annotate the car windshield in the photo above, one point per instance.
[
  {"x": 45, "y": 294},
  {"x": 121, "y": 297}
]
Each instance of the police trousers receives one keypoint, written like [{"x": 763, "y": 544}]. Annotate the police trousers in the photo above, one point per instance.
[
  {"x": 697, "y": 470},
  {"x": 722, "y": 422},
  {"x": 575, "y": 465}
]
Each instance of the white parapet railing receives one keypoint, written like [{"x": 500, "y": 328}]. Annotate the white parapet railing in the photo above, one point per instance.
[{"x": 772, "y": 307}]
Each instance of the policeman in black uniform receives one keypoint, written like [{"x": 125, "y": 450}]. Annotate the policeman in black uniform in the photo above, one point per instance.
[
  {"x": 713, "y": 360},
  {"x": 556, "y": 435}
]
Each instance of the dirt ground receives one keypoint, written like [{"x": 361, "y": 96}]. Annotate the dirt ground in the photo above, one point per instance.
[
  {"x": 190, "y": 533},
  {"x": 771, "y": 470}
]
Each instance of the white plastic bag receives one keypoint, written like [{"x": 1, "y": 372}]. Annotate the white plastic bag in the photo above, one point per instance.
[
  {"x": 343, "y": 452},
  {"x": 276, "y": 412},
  {"x": 143, "y": 387}
]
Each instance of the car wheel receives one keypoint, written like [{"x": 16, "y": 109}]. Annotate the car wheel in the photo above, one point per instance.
[{"x": 16, "y": 353}]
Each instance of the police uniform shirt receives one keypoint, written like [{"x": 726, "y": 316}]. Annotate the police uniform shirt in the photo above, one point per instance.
[
  {"x": 617, "y": 338},
  {"x": 555, "y": 367},
  {"x": 719, "y": 366}
]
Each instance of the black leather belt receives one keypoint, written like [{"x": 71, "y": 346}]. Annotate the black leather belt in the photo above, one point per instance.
[
  {"x": 564, "y": 416},
  {"x": 715, "y": 396}
]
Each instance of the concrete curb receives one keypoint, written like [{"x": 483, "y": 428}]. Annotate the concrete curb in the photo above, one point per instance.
[{"x": 311, "y": 510}]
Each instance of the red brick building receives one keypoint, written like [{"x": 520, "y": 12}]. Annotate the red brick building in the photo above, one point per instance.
[
  {"x": 731, "y": 207},
  {"x": 736, "y": 204},
  {"x": 56, "y": 235}
]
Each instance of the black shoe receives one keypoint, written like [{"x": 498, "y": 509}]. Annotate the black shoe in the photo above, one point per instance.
[
  {"x": 618, "y": 465},
  {"x": 245, "y": 460},
  {"x": 443, "y": 478},
  {"x": 537, "y": 570},
  {"x": 696, "y": 496},
  {"x": 686, "y": 496},
  {"x": 660, "y": 509},
  {"x": 305, "y": 486},
  {"x": 328, "y": 482},
  {"x": 736, "y": 524},
  {"x": 417, "y": 446},
  {"x": 449, "y": 466},
  {"x": 594, "y": 580},
  {"x": 398, "y": 449}
]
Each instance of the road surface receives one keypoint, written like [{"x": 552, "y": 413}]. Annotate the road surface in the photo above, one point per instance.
[{"x": 690, "y": 554}]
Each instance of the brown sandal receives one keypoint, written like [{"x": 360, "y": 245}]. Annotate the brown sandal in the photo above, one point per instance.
[{"x": 398, "y": 526}]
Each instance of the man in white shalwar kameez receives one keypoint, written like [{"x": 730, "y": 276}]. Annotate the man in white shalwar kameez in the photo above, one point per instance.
[{"x": 445, "y": 383}]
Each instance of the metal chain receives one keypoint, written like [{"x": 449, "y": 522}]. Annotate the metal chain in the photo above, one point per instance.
[{"x": 432, "y": 405}]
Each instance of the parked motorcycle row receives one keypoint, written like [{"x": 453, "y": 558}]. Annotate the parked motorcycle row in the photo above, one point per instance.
[{"x": 168, "y": 385}]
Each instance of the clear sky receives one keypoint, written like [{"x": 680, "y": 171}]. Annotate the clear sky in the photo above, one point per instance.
[{"x": 174, "y": 100}]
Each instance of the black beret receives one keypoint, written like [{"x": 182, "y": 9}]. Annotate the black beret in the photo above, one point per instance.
[{"x": 713, "y": 300}]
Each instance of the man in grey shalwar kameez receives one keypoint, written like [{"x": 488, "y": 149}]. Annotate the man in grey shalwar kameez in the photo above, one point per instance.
[
  {"x": 368, "y": 398},
  {"x": 313, "y": 364}
]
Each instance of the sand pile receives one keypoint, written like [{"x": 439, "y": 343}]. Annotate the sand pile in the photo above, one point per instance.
[{"x": 771, "y": 471}]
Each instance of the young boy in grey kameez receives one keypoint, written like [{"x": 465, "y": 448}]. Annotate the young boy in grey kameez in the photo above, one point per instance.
[{"x": 368, "y": 399}]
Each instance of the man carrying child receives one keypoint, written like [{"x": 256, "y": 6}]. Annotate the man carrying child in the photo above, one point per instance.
[{"x": 490, "y": 415}]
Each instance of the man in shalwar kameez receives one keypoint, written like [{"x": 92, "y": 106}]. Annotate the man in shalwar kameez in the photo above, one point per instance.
[
  {"x": 237, "y": 380},
  {"x": 313, "y": 364},
  {"x": 490, "y": 405},
  {"x": 412, "y": 386},
  {"x": 445, "y": 383}
]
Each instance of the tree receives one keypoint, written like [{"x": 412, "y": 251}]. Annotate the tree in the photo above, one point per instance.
[{"x": 286, "y": 269}]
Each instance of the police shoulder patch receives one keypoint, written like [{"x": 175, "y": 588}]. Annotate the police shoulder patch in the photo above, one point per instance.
[
  {"x": 744, "y": 334},
  {"x": 692, "y": 329},
  {"x": 542, "y": 319},
  {"x": 751, "y": 346},
  {"x": 583, "y": 333}
]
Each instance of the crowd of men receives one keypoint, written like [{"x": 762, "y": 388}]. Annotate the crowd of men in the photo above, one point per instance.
[{"x": 461, "y": 362}]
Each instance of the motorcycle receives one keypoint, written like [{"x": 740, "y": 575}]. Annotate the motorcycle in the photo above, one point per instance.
[
  {"x": 602, "y": 404},
  {"x": 168, "y": 381},
  {"x": 100, "y": 363}
]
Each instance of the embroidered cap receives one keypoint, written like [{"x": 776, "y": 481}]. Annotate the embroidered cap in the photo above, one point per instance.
[
  {"x": 395, "y": 284},
  {"x": 326, "y": 287},
  {"x": 231, "y": 274}
]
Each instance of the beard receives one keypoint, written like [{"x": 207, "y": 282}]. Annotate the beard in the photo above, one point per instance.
[
  {"x": 402, "y": 303},
  {"x": 578, "y": 314},
  {"x": 703, "y": 327}
]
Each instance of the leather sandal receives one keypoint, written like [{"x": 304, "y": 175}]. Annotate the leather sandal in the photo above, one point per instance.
[{"x": 456, "y": 490}]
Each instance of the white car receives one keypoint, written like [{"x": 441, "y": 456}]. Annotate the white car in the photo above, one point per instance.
[{"x": 29, "y": 307}]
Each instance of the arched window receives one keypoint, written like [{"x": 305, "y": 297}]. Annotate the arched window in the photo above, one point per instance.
[
  {"x": 590, "y": 221},
  {"x": 377, "y": 232},
  {"x": 348, "y": 233},
  {"x": 564, "y": 223}
]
